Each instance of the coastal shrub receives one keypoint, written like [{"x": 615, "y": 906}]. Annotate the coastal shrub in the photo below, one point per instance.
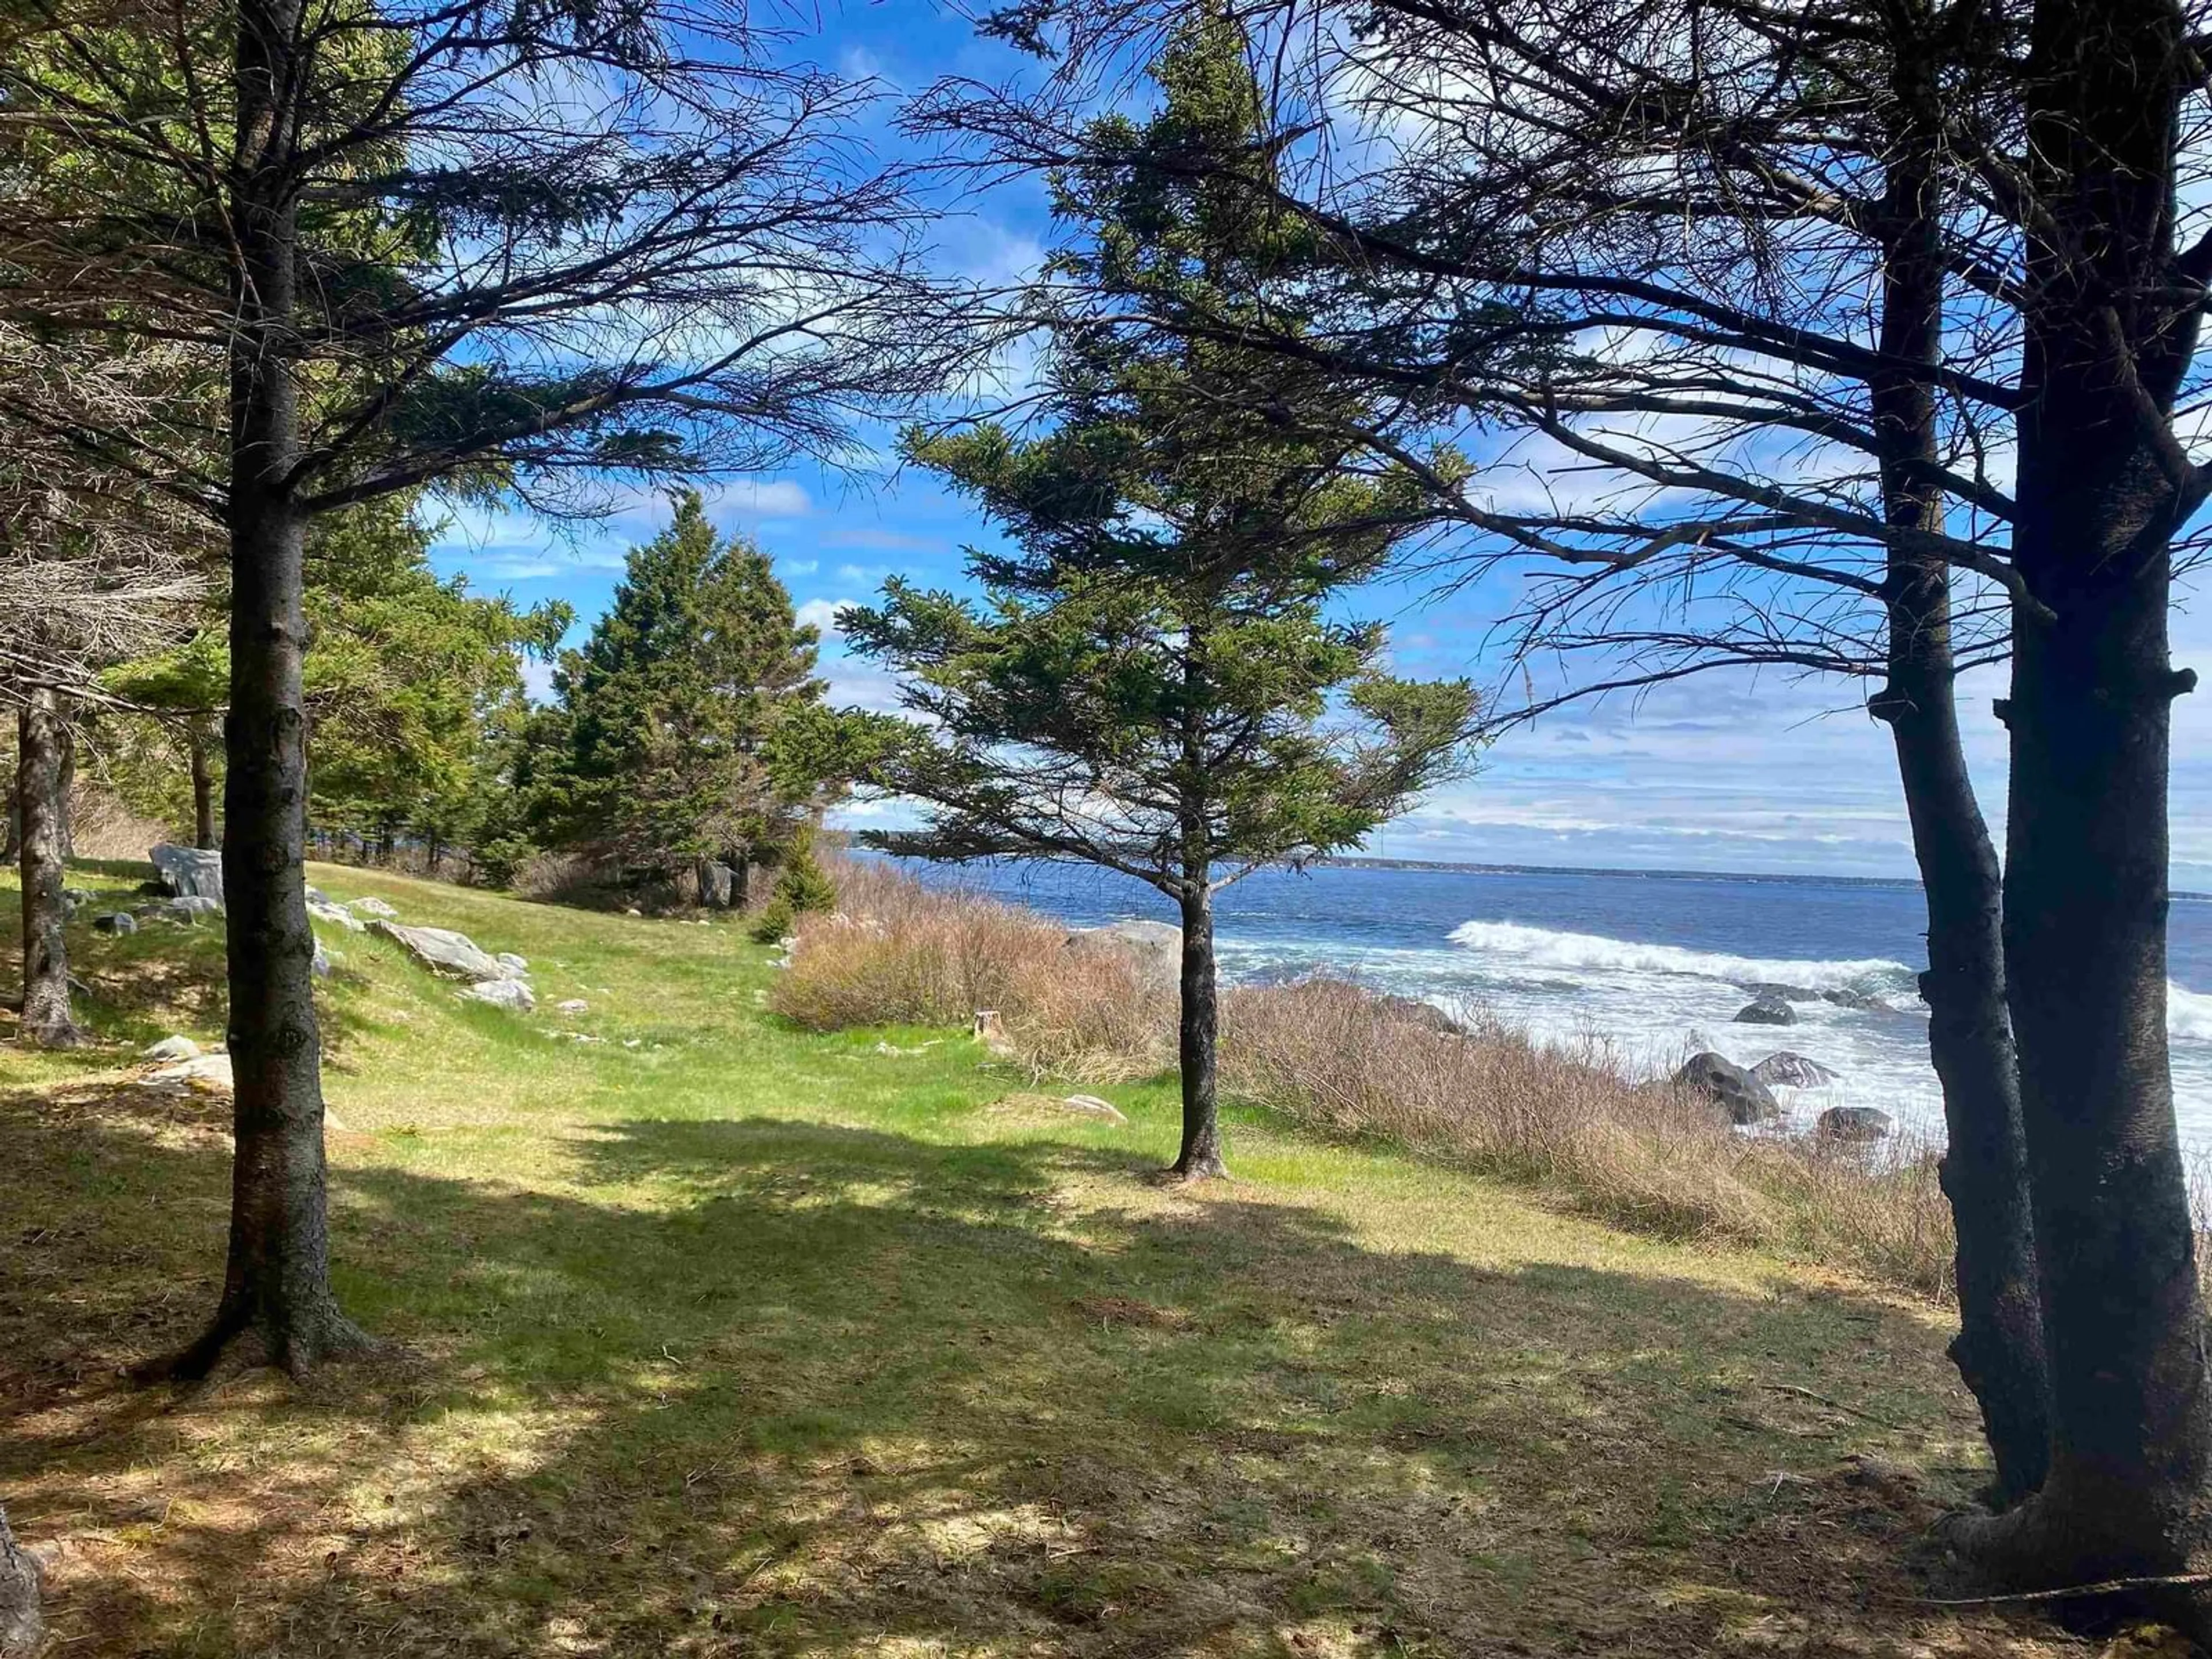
[
  {"x": 901, "y": 953},
  {"x": 1567, "y": 1120}
]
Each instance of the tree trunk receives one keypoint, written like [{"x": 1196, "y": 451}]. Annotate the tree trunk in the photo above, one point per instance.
[
  {"x": 2085, "y": 896},
  {"x": 41, "y": 741},
  {"x": 196, "y": 739},
  {"x": 1198, "y": 1033},
  {"x": 1999, "y": 1347},
  {"x": 277, "y": 1283},
  {"x": 64, "y": 793}
]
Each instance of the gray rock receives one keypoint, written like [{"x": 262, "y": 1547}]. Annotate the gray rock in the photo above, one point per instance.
[
  {"x": 372, "y": 906},
  {"x": 1767, "y": 1011},
  {"x": 716, "y": 882},
  {"x": 316, "y": 895},
  {"x": 1155, "y": 947},
  {"x": 319, "y": 963},
  {"x": 573, "y": 1005},
  {"x": 172, "y": 1047},
  {"x": 208, "y": 1073},
  {"x": 337, "y": 915},
  {"x": 1789, "y": 1071},
  {"x": 1712, "y": 1077},
  {"x": 1859, "y": 1001},
  {"x": 74, "y": 899},
  {"x": 23, "y": 1631},
  {"x": 1857, "y": 1126},
  {"x": 443, "y": 951},
  {"x": 1412, "y": 1011},
  {"x": 509, "y": 994},
  {"x": 189, "y": 872},
  {"x": 517, "y": 967},
  {"x": 121, "y": 921}
]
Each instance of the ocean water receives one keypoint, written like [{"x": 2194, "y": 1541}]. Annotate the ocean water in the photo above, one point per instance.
[{"x": 1653, "y": 966}]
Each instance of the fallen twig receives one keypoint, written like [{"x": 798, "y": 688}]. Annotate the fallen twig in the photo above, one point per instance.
[{"x": 1833, "y": 1405}]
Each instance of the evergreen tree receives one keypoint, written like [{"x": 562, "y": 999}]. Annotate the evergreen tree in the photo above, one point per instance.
[
  {"x": 1157, "y": 680},
  {"x": 670, "y": 711},
  {"x": 414, "y": 683}
]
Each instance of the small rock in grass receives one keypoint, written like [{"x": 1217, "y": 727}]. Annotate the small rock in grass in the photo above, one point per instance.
[
  {"x": 207, "y": 1074},
  {"x": 337, "y": 915},
  {"x": 633, "y": 1043},
  {"x": 442, "y": 951},
  {"x": 372, "y": 906},
  {"x": 319, "y": 963},
  {"x": 633, "y": 911},
  {"x": 573, "y": 1005},
  {"x": 172, "y": 1048},
  {"x": 122, "y": 921},
  {"x": 1092, "y": 1106},
  {"x": 510, "y": 994}
]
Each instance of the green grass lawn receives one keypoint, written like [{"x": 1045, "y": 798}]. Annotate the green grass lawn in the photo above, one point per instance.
[{"x": 717, "y": 1337}]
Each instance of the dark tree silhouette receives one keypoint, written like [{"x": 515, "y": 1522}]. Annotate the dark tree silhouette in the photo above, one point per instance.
[
  {"x": 529, "y": 249},
  {"x": 1821, "y": 273}
]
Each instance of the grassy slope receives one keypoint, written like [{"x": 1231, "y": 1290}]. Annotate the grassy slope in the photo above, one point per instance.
[{"x": 743, "y": 1340}]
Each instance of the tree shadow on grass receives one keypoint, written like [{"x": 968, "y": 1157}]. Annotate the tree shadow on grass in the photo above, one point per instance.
[{"x": 766, "y": 1386}]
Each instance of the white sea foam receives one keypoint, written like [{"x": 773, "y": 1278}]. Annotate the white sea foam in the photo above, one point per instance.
[
  {"x": 1542, "y": 947},
  {"x": 2188, "y": 1013}
]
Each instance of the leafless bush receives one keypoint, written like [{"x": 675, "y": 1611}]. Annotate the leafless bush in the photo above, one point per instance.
[
  {"x": 102, "y": 825},
  {"x": 898, "y": 952},
  {"x": 1569, "y": 1121}
]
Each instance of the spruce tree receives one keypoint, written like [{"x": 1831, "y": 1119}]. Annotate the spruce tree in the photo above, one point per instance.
[
  {"x": 1158, "y": 678},
  {"x": 670, "y": 710}
]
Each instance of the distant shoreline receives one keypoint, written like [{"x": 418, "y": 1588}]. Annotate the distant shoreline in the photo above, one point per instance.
[
  {"x": 1903, "y": 884},
  {"x": 1470, "y": 867},
  {"x": 1475, "y": 867}
]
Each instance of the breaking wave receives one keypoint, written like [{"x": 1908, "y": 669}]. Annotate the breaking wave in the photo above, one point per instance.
[
  {"x": 1545, "y": 948},
  {"x": 2188, "y": 1013}
]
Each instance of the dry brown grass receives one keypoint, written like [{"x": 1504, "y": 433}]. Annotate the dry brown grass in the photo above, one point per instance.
[
  {"x": 1332, "y": 1056},
  {"x": 899, "y": 953}
]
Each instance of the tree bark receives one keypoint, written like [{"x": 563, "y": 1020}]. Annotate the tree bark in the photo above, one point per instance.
[
  {"x": 1198, "y": 1039},
  {"x": 276, "y": 1281},
  {"x": 196, "y": 739},
  {"x": 2106, "y": 345},
  {"x": 1999, "y": 1347},
  {"x": 65, "y": 794},
  {"x": 41, "y": 741}
]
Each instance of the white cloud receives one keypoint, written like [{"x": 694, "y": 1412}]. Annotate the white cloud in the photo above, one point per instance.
[
  {"x": 823, "y": 613},
  {"x": 768, "y": 498}
]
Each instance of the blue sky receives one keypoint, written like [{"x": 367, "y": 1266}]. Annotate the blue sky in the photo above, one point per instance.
[{"x": 1726, "y": 772}]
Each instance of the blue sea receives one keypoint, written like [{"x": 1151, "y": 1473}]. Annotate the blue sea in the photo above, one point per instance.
[{"x": 1651, "y": 966}]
